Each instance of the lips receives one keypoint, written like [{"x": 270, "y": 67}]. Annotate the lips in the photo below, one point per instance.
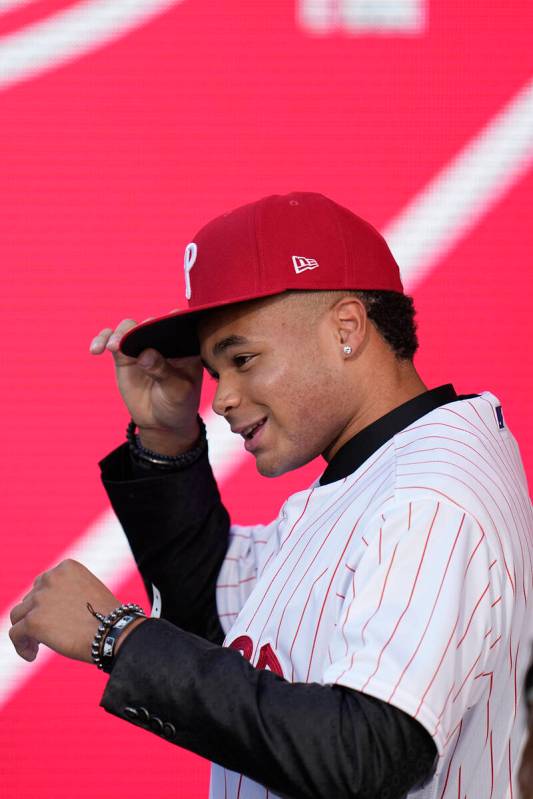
[{"x": 249, "y": 432}]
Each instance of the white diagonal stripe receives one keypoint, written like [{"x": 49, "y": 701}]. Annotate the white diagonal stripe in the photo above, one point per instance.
[
  {"x": 487, "y": 167},
  {"x": 13, "y": 5},
  {"x": 104, "y": 550},
  {"x": 71, "y": 33},
  {"x": 465, "y": 190}
]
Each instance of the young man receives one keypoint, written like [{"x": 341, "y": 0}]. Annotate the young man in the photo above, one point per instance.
[{"x": 375, "y": 634}]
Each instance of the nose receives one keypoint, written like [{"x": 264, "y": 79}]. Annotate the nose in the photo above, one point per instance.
[{"x": 226, "y": 398}]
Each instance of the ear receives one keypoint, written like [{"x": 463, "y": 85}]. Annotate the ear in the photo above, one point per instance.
[{"x": 351, "y": 322}]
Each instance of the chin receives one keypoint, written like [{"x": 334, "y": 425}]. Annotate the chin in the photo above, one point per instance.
[{"x": 275, "y": 467}]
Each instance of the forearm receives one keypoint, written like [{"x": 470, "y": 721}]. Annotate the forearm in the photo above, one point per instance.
[
  {"x": 178, "y": 529},
  {"x": 300, "y": 740}
]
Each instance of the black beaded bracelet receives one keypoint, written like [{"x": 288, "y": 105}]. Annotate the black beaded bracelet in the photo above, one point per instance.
[{"x": 148, "y": 457}]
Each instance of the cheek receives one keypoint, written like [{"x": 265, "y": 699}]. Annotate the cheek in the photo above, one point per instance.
[{"x": 306, "y": 400}]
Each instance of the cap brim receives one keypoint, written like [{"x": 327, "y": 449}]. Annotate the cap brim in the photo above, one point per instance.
[{"x": 174, "y": 335}]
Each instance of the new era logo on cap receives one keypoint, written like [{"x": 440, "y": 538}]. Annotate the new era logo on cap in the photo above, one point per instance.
[{"x": 301, "y": 263}]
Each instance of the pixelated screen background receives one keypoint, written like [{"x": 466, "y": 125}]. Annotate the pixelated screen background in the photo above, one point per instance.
[{"x": 125, "y": 125}]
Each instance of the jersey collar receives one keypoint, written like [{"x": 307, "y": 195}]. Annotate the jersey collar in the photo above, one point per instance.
[{"x": 356, "y": 451}]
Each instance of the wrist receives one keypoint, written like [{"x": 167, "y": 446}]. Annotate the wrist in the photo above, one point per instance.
[
  {"x": 169, "y": 442},
  {"x": 152, "y": 457},
  {"x": 129, "y": 629}
]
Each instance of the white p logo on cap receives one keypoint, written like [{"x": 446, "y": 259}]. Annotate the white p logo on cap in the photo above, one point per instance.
[{"x": 191, "y": 251}]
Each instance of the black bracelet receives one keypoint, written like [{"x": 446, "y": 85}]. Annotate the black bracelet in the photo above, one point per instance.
[
  {"x": 107, "y": 623},
  {"x": 107, "y": 650},
  {"x": 148, "y": 457}
]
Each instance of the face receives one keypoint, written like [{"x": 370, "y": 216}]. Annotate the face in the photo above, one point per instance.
[{"x": 280, "y": 379}]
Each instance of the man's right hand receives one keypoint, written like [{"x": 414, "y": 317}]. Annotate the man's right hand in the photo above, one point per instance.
[{"x": 161, "y": 394}]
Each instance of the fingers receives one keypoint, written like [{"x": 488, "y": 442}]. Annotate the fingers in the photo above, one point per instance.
[
  {"x": 25, "y": 646},
  {"x": 110, "y": 339},
  {"x": 154, "y": 365}
]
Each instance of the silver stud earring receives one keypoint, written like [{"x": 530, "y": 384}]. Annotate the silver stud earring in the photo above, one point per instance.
[{"x": 347, "y": 350}]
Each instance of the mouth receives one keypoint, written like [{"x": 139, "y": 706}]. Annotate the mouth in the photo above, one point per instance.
[{"x": 252, "y": 434}]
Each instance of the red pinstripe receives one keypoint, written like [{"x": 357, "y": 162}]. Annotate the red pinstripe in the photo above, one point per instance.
[
  {"x": 348, "y": 668},
  {"x": 239, "y": 786},
  {"x": 458, "y": 504},
  {"x": 496, "y": 445},
  {"x": 482, "y": 536},
  {"x": 496, "y": 485},
  {"x": 496, "y": 601},
  {"x": 503, "y": 476},
  {"x": 510, "y": 768},
  {"x": 325, "y": 598},
  {"x": 460, "y": 725},
  {"x": 441, "y": 714},
  {"x": 335, "y": 572},
  {"x": 428, "y": 687},
  {"x": 488, "y": 705},
  {"x": 304, "y": 575},
  {"x": 382, "y": 594},
  {"x": 502, "y": 473},
  {"x": 400, "y": 678},
  {"x": 470, "y": 670},
  {"x": 301, "y": 619},
  {"x": 515, "y": 691},
  {"x": 310, "y": 565},
  {"x": 459, "y": 786},
  {"x": 472, "y": 615},
  {"x": 332, "y": 507},
  {"x": 491, "y": 766},
  {"x": 408, "y": 601},
  {"x": 307, "y": 501},
  {"x": 495, "y": 642}
]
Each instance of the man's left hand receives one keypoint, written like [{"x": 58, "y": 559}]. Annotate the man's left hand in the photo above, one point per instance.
[{"x": 55, "y": 612}]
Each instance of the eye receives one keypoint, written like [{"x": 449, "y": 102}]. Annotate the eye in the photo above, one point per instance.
[{"x": 241, "y": 360}]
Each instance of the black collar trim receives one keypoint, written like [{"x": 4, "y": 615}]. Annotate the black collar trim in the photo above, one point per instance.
[{"x": 356, "y": 451}]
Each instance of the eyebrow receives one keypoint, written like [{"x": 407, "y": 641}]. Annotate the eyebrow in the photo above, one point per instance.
[
  {"x": 222, "y": 345},
  {"x": 229, "y": 341}
]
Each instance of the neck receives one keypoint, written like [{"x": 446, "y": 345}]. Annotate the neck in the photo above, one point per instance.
[{"x": 377, "y": 398}]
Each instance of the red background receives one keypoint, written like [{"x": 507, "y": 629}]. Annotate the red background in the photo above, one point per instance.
[{"x": 109, "y": 164}]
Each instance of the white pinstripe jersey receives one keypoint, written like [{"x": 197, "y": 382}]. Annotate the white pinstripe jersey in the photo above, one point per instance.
[{"x": 409, "y": 580}]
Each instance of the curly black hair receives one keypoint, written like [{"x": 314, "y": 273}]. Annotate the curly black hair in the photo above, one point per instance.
[{"x": 393, "y": 314}]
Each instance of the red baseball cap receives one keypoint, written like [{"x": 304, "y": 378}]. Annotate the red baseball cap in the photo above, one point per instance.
[{"x": 297, "y": 241}]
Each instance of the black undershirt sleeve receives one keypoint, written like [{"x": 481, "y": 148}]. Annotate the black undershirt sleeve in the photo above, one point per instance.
[
  {"x": 177, "y": 528},
  {"x": 301, "y": 740}
]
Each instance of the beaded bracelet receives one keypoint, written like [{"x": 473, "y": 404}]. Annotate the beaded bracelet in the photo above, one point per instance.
[
  {"x": 107, "y": 624},
  {"x": 148, "y": 457}
]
